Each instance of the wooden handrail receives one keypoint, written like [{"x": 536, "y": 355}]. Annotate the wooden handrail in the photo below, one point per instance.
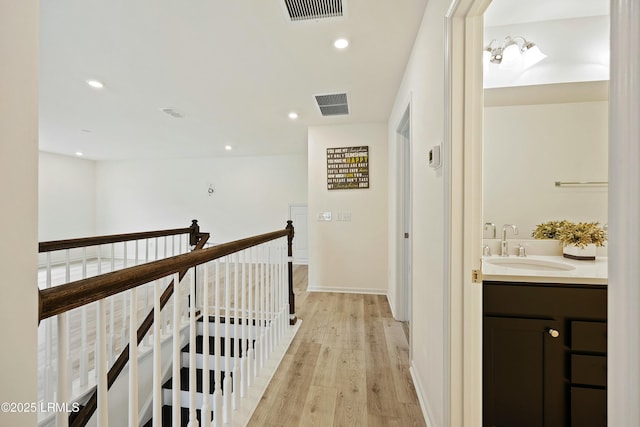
[
  {"x": 60, "y": 299},
  {"x": 57, "y": 245}
]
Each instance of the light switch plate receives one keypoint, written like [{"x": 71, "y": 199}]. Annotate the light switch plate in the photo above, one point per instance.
[{"x": 324, "y": 216}]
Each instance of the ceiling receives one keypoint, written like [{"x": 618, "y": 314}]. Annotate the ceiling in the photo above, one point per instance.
[
  {"x": 507, "y": 12},
  {"x": 233, "y": 71}
]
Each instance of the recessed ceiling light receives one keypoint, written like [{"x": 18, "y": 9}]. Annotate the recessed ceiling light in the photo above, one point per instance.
[
  {"x": 79, "y": 154},
  {"x": 293, "y": 115},
  {"x": 341, "y": 43},
  {"x": 228, "y": 147},
  {"x": 95, "y": 84}
]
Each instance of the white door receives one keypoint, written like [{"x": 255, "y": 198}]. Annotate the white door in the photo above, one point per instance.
[{"x": 298, "y": 214}]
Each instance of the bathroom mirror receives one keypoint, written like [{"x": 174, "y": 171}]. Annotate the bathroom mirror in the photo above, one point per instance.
[{"x": 547, "y": 124}]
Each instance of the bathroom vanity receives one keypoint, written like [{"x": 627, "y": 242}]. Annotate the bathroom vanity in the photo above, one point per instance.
[{"x": 544, "y": 342}]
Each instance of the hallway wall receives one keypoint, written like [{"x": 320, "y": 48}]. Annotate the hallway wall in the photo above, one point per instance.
[
  {"x": 67, "y": 197},
  {"x": 251, "y": 195},
  {"x": 18, "y": 216},
  {"x": 423, "y": 86},
  {"x": 348, "y": 256}
]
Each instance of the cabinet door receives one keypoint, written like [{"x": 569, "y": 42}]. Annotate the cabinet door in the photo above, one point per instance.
[{"x": 523, "y": 373}]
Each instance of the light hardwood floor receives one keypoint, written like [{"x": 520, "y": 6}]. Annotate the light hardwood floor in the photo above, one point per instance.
[{"x": 347, "y": 366}]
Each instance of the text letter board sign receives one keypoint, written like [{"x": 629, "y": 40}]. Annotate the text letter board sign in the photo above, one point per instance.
[{"x": 347, "y": 168}]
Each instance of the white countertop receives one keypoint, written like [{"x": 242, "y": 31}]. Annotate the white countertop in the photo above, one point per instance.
[{"x": 585, "y": 272}]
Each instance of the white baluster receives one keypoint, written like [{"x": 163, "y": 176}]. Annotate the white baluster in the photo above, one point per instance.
[
  {"x": 112, "y": 314},
  {"x": 62, "y": 396},
  {"x": 206, "y": 409},
  {"x": 217, "y": 392},
  {"x": 49, "y": 374},
  {"x": 175, "y": 382},
  {"x": 133, "y": 358},
  {"x": 157, "y": 358},
  {"x": 101, "y": 366},
  {"x": 193, "y": 421},
  {"x": 69, "y": 375},
  {"x": 243, "y": 329},
  {"x": 217, "y": 408},
  {"x": 123, "y": 328},
  {"x": 236, "y": 334},
  {"x": 226, "y": 385},
  {"x": 84, "y": 353},
  {"x": 250, "y": 318},
  {"x": 263, "y": 323}
]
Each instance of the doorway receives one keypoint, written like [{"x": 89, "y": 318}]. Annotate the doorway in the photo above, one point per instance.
[
  {"x": 298, "y": 214},
  {"x": 404, "y": 203}
]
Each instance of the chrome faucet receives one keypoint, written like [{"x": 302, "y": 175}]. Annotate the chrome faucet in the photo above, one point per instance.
[
  {"x": 504, "y": 246},
  {"x": 493, "y": 226}
]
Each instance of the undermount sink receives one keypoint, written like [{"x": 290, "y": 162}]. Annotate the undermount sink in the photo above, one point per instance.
[{"x": 530, "y": 264}]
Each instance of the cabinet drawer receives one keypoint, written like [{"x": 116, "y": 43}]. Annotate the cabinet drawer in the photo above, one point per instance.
[
  {"x": 589, "y": 336},
  {"x": 588, "y": 407},
  {"x": 536, "y": 300},
  {"x": 589, "y": 370}
]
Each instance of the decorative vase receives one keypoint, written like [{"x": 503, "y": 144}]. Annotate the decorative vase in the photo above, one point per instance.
[{"x": 587, "y": 253}]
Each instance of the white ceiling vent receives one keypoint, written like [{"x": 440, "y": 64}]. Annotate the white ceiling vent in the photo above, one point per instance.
[
  {"x": 335, "y": 104},
  {"x": 300, "y": 10}
]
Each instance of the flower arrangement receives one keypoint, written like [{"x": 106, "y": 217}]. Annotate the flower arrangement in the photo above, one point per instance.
[
  {"x": 571, "y": 234},
  {"x": 549, "y": 230}
]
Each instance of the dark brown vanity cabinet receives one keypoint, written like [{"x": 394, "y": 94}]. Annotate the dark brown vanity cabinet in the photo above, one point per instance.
[{"x": 544, "y": 355}]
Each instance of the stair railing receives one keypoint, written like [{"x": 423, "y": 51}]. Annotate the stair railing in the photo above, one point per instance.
[
  {"x": 64, "y": 261},
  {"x": 244, "y": 292}
]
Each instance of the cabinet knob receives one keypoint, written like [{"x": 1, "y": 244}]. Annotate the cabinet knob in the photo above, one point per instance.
[{"x": 553, "y": 332}]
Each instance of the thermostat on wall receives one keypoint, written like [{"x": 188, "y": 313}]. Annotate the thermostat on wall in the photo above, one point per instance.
[{"x": 434, "y": 157}]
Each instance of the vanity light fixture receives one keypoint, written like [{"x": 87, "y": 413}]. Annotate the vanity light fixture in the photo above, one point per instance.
[{"x": 515, "y": 53}]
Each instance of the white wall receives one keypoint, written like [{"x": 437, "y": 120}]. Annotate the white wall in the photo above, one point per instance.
[
  {"x": 348, "y": 256},
  {"x": 252, "y": 194},
  {"x": 18, "y": 216},
  {"x": 67, "y": 200},
  {"x": 529, "y": 147},
  {"x": 423, "y": 84}
]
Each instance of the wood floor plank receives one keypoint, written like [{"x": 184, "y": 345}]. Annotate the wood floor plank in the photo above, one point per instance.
[
  {"x": 398, "y": 351},
  {"x": 354, "y": 353},
  {"x": 350, "y": 412},
  {"x": 320, "y": 406}
]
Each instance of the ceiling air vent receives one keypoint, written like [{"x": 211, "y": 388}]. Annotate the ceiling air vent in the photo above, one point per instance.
[
  {"x": 300, "y": 10},
  {"x": 335, "y": 104}
]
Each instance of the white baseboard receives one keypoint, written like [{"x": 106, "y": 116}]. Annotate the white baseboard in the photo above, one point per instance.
[
  {"x": 347, "y": 290},
  {"x": 423, "y": 402}
]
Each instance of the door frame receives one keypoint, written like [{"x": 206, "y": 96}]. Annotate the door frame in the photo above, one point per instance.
[
  {"x": 463, "y": 213},
  {"x": 298, "y": 205},
  {"x": 462, "y": 154},
  {"x": 403, "y": 290}
]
